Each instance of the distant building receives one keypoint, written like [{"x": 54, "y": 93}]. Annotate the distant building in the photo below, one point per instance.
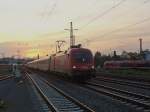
[
  {"x": 12, "y": 61},
  {"x": 4, "y": 61},
  {"x": 147, "y": 55},
  {"x": 125, "y": 55}
]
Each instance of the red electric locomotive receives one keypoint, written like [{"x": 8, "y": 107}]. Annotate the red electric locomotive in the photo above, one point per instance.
[{"x": 76, "y": 62}]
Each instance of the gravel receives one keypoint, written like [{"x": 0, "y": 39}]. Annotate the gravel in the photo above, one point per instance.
[
  {"x": 124, "y": 87},
  {"x": 39, "y": 105},
  {"x": 96, "y": 101}
]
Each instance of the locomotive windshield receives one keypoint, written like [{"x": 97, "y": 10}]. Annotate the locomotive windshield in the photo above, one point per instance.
[{"x": 82, "y": 57}]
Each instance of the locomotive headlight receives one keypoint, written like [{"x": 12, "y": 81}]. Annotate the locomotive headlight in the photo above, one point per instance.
[
  {"x": 74, "y": 67},
  {"x": 92, "y": 67}
]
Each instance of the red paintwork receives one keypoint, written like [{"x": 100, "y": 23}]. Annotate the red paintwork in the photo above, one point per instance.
[{"x": 63, "y": 62}]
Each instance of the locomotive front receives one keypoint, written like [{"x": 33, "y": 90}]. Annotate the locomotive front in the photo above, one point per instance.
[{"x": 82, "y": 63}]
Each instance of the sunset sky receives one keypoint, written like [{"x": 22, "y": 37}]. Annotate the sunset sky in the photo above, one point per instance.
[{"x": 29, "y": 27}]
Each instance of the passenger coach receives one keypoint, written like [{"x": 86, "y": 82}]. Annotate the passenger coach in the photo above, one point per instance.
[{"x": 76, "y": 62}]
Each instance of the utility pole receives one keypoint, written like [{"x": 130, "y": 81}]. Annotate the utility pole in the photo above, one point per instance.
[
  {"x": 59, "y": 43},
  {"x": 72, "y": 37},
  {"x": 140, "y": 46}
]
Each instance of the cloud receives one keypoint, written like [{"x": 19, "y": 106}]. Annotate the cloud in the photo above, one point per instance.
[{"x": 13, "y": 48}]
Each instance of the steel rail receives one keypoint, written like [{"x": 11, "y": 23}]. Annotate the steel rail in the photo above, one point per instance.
[
  {"x": 86, "y": 108},
  {"x": 5, "y": 78},
  {"x": 70, "y": 103},
  {"x": 123, "y": 96},
  {"x": 50, "y": 105},
  {"x": 123, "y": 82}
]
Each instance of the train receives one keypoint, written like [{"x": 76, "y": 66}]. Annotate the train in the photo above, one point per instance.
[
  {"x": 75, "y": 63},
  {"x": 127, "y": 64}
]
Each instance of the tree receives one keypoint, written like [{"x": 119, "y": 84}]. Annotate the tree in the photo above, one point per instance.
[
  {"x": 100, "y": 59},
  {"x": 97, "y": 58}
]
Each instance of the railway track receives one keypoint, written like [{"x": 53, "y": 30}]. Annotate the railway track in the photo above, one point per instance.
[
  {"x": 4, "y": 77},
  {"x": 125, "y": 77},
  {"x": 57, "y": 100},
  {"x": 140, "y": 101},
  {"x": 124, "y": 82}
]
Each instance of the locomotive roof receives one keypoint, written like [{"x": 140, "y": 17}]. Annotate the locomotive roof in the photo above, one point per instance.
[
  {"x": 44, "y": 58},
  {"x": 69, "y": 50},
  {"x": 59, "y": 54},
  {"x": 72, "y": 49}
]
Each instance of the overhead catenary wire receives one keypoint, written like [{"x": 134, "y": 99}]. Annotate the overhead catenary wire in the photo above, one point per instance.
[
  {"x": 92, "y": 20},
  {"x": 107, "y": 11},
  {"x": 79, "y": 17},
  {"x": 120, "y": 29},
  {"x": 44, "y": 11},
  {"x": 102, "y": 14},
  {"x": 99, "y": 16},
  {"x": 46, "y": 14},
  {"x": 95, "y": 18},
  {"x": 52, "y": 9}
]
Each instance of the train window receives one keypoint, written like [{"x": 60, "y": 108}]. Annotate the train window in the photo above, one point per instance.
[{"x": 82, "y": 57}]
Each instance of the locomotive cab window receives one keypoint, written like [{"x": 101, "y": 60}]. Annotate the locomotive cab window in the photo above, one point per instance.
[{"x": 82, "y": 57}]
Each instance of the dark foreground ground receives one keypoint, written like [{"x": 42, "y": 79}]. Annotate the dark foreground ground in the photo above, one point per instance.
[{"x": 16, "y": 97}]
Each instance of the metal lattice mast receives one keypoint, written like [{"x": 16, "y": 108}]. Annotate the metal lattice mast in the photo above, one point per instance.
[{"x": 72, "y": 37}]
